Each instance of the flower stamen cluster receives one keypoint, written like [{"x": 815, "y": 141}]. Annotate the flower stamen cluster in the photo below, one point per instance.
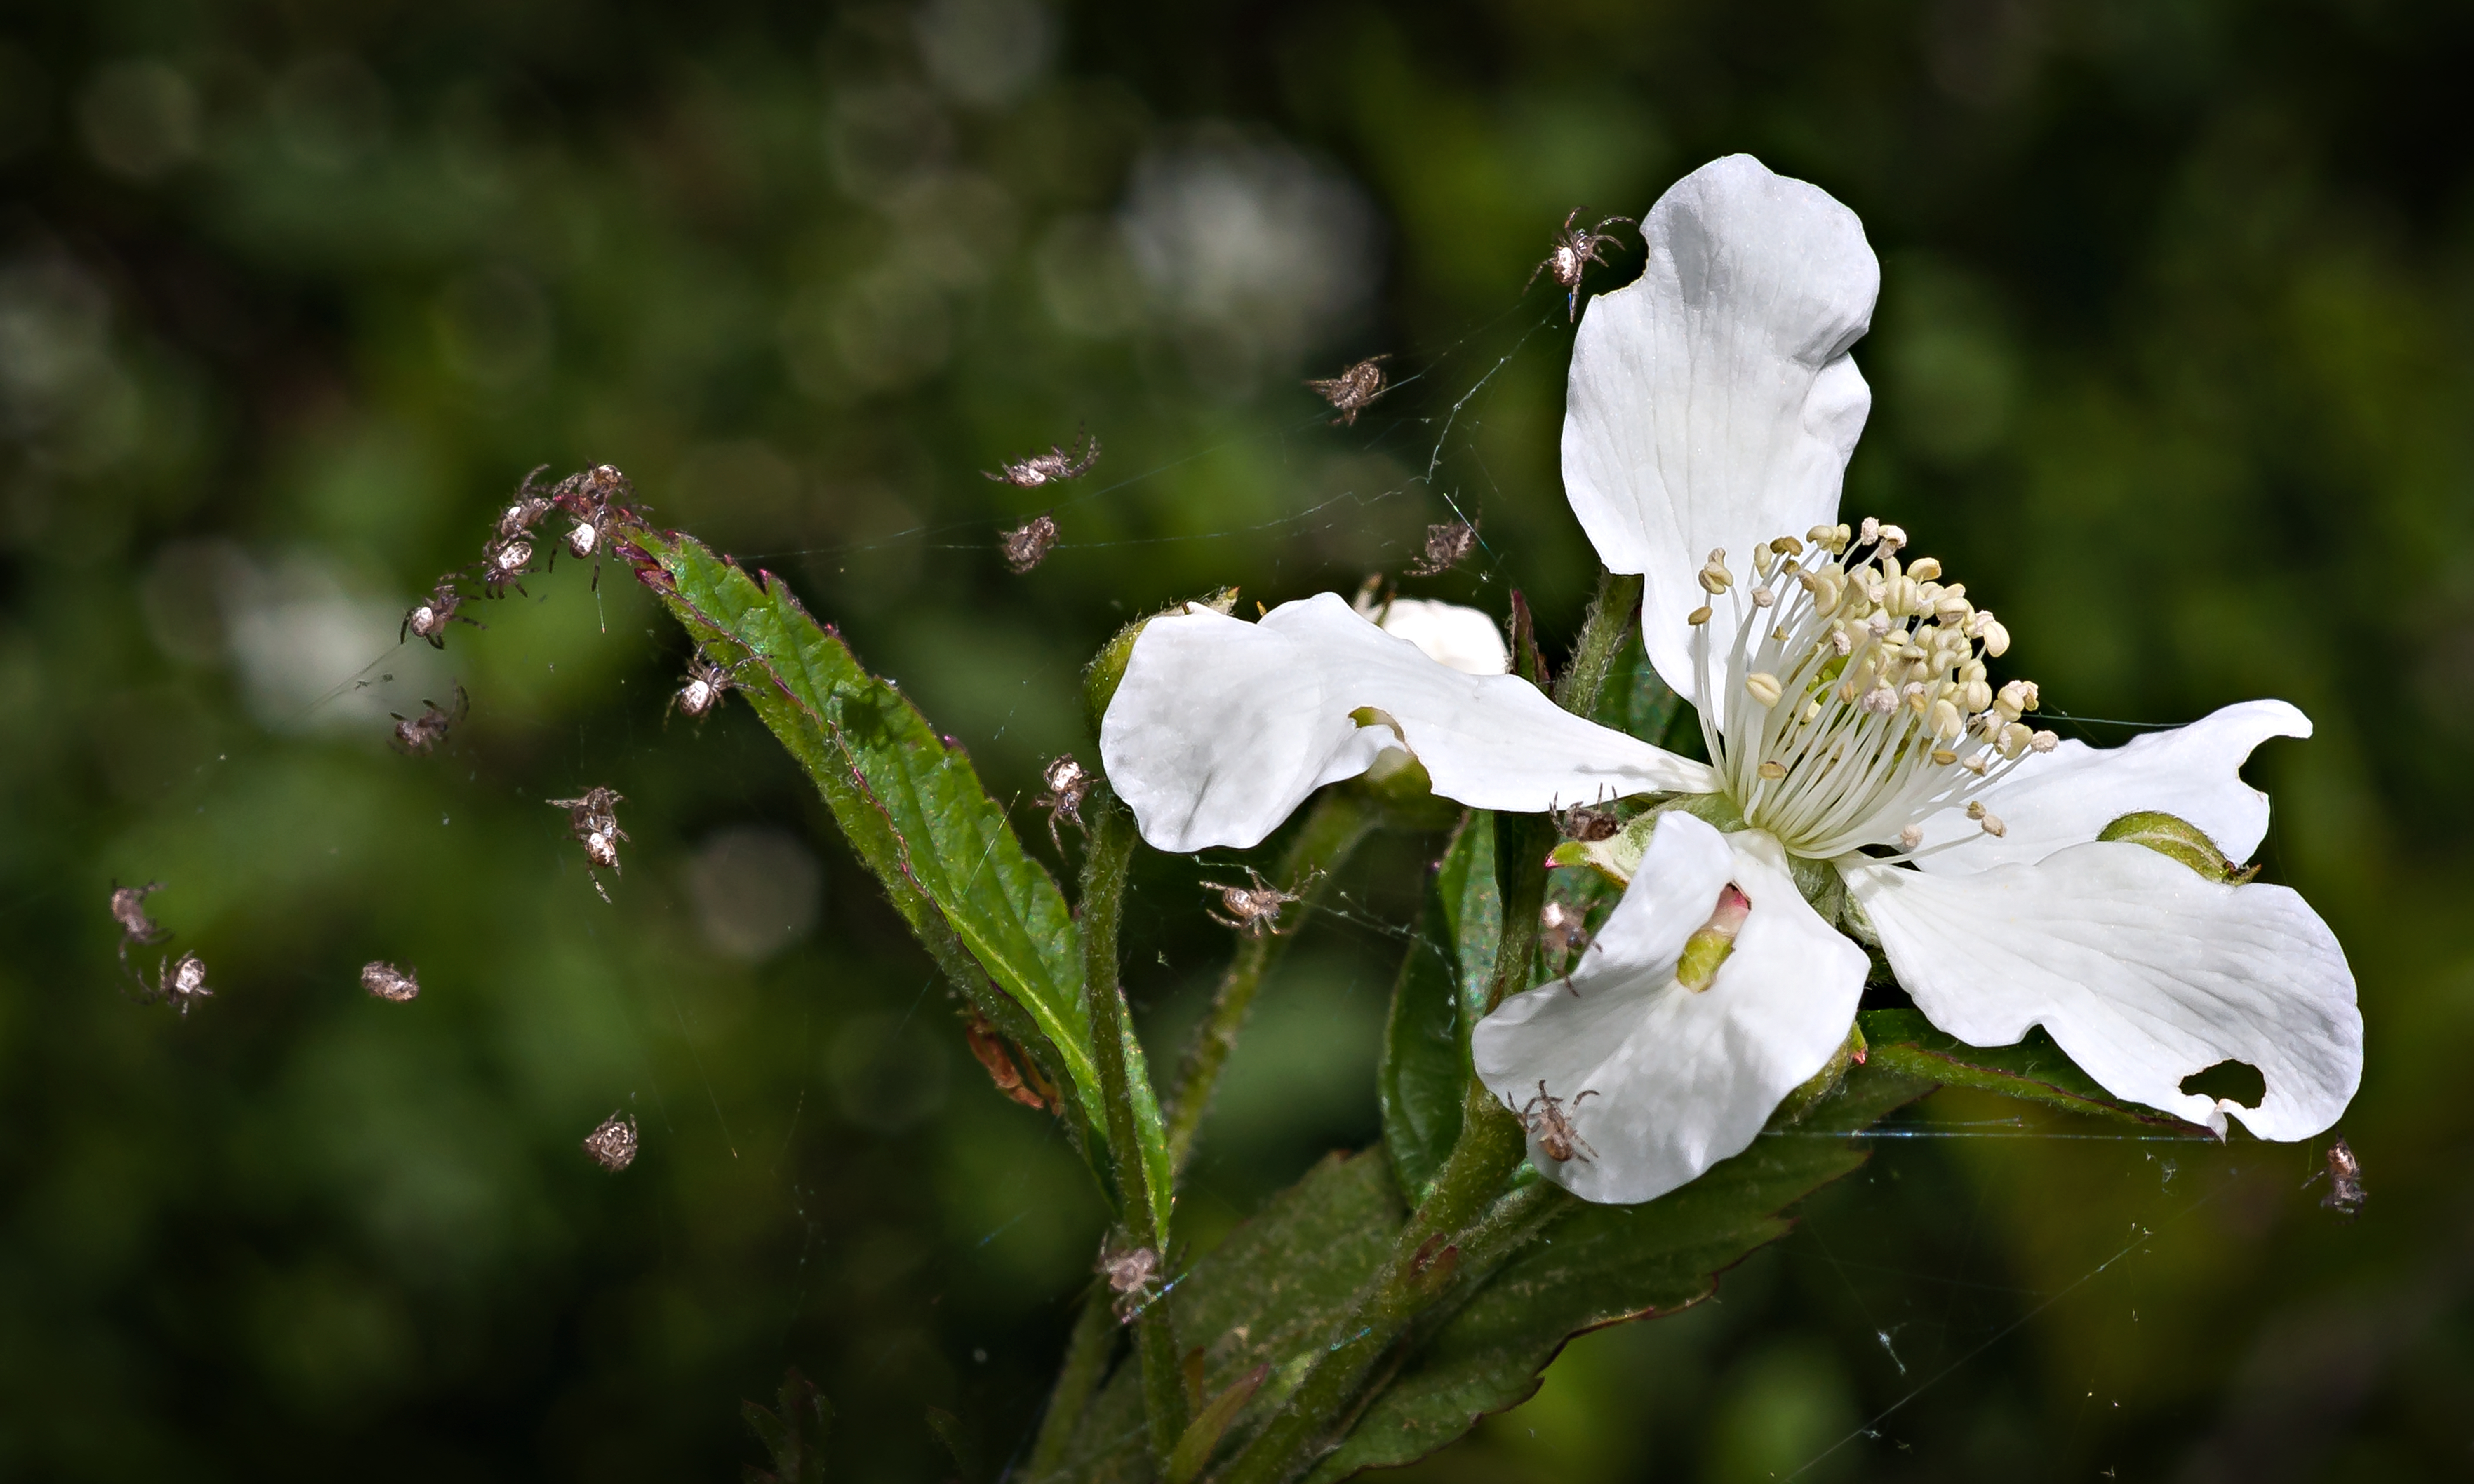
[{"x": 1871, "y": 703}]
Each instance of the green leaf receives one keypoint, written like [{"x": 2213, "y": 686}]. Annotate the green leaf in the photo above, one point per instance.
[
  {"x": 1272, "y": 1293},
  {"x": 795, "y": 1436},
  {"x": 914, "y": 809},
  {"x": 1436, "y": 1000},
  {"x": 1635, "y": 700},
  {"x": 1203, "y": 1433},
  {"x": 1598, "y": 1265},
  {"x": 2033, "y": 1071}
]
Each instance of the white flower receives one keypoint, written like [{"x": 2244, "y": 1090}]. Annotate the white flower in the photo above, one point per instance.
[{"x": 1853, "y": 725}]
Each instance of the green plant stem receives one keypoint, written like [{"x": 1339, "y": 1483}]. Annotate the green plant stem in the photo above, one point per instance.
[
  {"x": 1602, "y": 636},
  {"x": 1078, "y": 1381},
  {"x": 1341, "y": 819},
  {"x": 1103, "y": 893},
  {"x": 1417, "y": 1274}
]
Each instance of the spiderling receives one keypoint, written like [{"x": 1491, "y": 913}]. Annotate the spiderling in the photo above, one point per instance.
[
  {"x": 1131, "y": 1274},
  {"x": 1447, "y": 546},
  {"x": 612, "y": 1143},
  {"x": 1588, "y": 821},
  {"x": 527, "y": 508},
  {"x": 592, "y": 821},
  {"x": 137, "y": 930},
  {"x": 428, "y": 620},
  {"x": 1353, "y": 390},
  {"x": 416, "y": 735},
  {"x": 504, "y": 562},
  {"x": 1560, "y": 929},
  {"x": 704, "y": 685},
  {"x": 385, "y": 981},
  {"x": 593, "y": 497},
  {"x": 1252, "y": 910},
  {"x": 182, "y": 982},
  {"x": 1068, "y": 785},
  {"x": 1574, "y": 250},
  {"x": 1557, "y": 1139},
  {"x": 1053, "y": 466},
  {"x": 1027, "y": 545},
  {"x": 2346, "y": 1193}
]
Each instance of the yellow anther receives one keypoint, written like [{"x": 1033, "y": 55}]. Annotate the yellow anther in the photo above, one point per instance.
[
  {"x": 1764, "y": 561},
  {"x": 1811, "y": 710},
  {"x": 1899, "y": 596},
  {"x": 1868, "y": 533},
  {"x": 1943, "y": 756},
  {"x": 1925, "y": 569},
  {"x": 1714, "y": 577},
  {"x": 1919, "y": 700},
  {"x": 1947, "y": 722},
  {"x": 1911, "y": 837},
  {"x": 1822, "y": 535},
  {"x": 1892, "y": 539},
  {"x": 1762, "y": 597},
  {"x": 1975, "y": 809},
  {"x": 2015, "y": 697},
  {"x": 1992, "y": 826},
  {"x": 1974, "y": 695},
  {"x": 1997, "y": 640},
  {"x": 1788, "y": 546},
  {"x": 1773, "y": 771},
  {"x": 1976, "y": 763},
  {"x": 2016, "y": 740},
  {"x": 1698, "y": 617},
  {"x": 2044, "y": 742},
  {"x": 1763, "y": 687}
]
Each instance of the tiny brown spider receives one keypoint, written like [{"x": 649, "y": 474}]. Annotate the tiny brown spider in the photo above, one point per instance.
[
  {"x": 182, "y": 982},
  {"x": 430, "y": 620},
  {"x": 594, "y": 497},
  {"x": 2344, "y": 1172},
  {"x": 1027, "y": 545},
  {"x": 1132, "y": 1275},
  {"x": 1252, "y": 910},
  {"x": 1552, "y": 1127},
  {"x": 703, "y": 686},
  {"x": 612, "y": 1143},
  {"x": 592, "y": 821},
  {"x": 1575, "y": 250},
  {"x": 1353, "y": 390},
  {"x": 1053, "y": 466},
  {"x": 1447, "y": 546},
  {"x": 1068, "y": 785},
  {"x": 1561, "y": 929},
  {"x": 527, "y": 508},
  {"x": 504, "y": 562},
  {"x": 416, "y": 735},
  {"x": 1589, "y": 822},
  {"x": 137, "y": 930},
  {"x": 385, "y": 981}
]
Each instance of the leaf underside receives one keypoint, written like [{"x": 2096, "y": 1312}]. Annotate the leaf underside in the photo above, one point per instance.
[
  {"x": 1271, "y": 1294},
  {"x": 1426, "y": 1058},
  {"x": 914, "y": 811}
]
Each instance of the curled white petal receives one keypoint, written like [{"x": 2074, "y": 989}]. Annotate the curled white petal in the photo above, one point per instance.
[
  {"x": 2141, "y": 969},
  {"x": 2063, "y": 798},
  {"x": 1467, "y": 639},
  {"x": 1221, "y": 727},
  {"x": 1683, "y": 1079},
  {"x": 1713, "y": 402}
]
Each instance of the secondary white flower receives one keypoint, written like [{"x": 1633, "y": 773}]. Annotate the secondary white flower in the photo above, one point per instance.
[
  {"x": 1852, "y": 723},
  {"x": 1448, "y": 634}
]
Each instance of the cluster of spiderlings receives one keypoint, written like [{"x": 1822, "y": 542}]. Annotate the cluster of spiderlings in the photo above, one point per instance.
[{"x": 1870, "y": 705}]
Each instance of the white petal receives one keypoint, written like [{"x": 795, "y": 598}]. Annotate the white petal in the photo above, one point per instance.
[
  {"x": 2143, "y": 971},
  {"x": 1223, "y": 726},
  {"x": 1713, "y": 402},
  {"x": 2063, "y": 798},
  {"x": 1465, "y": 638},
  {"x": 1683, "y": 1079}
]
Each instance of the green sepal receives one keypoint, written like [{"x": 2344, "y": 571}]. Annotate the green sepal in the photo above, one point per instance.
[{"x": 2033, "y": 1069}]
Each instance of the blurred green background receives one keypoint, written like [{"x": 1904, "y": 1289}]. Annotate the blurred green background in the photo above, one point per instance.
[{"x": 2169, "y": 364}]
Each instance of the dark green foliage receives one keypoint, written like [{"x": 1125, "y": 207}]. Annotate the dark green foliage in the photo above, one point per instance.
[
  {"x": 795, "y": 1435},
  {"x": 1425, "y": 1049}
]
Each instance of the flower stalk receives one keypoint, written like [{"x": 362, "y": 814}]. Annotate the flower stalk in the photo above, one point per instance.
[
  {"x": 1086, "y": 1364},
  {"x": 1104, "y": 892},
  {"x": 1601, "y": 639}
]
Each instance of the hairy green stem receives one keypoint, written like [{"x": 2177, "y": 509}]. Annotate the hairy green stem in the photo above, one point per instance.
[
  {"x": 1341, "y": 819},
  {"x": 1424, "y": 1261},
  {"x": 1078, "y": 1381},
  {"x": 1602, "y": 636},
  {"x": 1103, "y": 893}
]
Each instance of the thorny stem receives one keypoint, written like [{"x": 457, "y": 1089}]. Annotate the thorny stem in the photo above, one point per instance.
[
  {"x": 1104, "y": 892},
  {"x": 1086, "y": 1363},
  {"x": 1418, "y": 1274},
  {"x": 1340, "y": 820},
  {"x": 1602, "y": 636}
]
